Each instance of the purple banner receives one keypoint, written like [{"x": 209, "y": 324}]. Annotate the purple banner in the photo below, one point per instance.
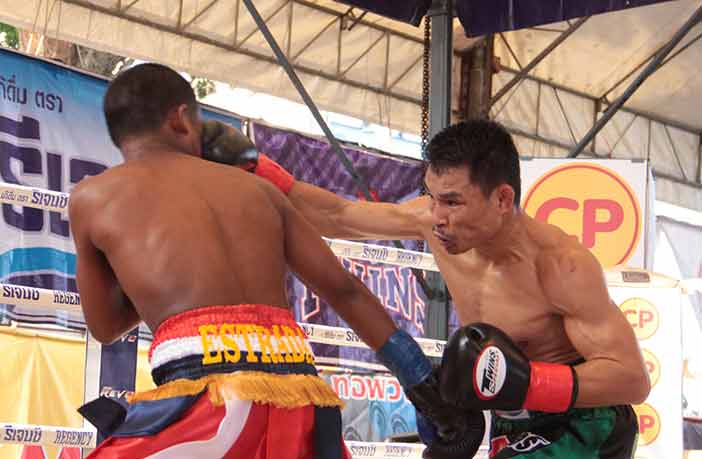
[
  {"x": 482, "y": 18},
  {"x": 391, "y": 180}
]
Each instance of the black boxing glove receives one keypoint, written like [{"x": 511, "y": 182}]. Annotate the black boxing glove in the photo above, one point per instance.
[
  {"x": 224, "y": 144},
  {"x": 448, "y": 432},
  {"x": 482, "y": 369}
]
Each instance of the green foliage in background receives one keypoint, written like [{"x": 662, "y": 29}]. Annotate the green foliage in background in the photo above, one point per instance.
[{"x": 9, "y": 37}]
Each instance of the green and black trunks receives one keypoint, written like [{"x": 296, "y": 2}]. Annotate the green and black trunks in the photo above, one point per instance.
[{"x": 581, "y": 433}]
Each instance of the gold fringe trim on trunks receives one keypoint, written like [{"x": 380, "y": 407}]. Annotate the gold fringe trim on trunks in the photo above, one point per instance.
[{"x": 282, "y": 391}]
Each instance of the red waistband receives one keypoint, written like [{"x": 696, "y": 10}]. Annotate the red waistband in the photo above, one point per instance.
[{"x": 186, "y": 323}]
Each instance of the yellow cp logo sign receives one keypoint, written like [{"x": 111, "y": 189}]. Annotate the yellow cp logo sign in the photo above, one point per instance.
[{"x": 593, "y": 203}]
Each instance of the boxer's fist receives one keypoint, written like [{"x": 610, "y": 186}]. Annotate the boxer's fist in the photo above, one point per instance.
[
  {"x": 482, "y": 369},
  {"x": 225, "y": 144},
  {"x": 448, "y": 431}
]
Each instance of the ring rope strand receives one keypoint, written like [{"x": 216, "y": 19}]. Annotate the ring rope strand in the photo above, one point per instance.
[
  {"x": 31, "y": 296},
  {"x": 58, "y": 202},
  {"x": 29, "y": 434},
  {"x": 316, "y": 333}
]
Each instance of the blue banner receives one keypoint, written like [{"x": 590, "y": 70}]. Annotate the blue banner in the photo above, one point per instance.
[{"x": 52, "y": 135}]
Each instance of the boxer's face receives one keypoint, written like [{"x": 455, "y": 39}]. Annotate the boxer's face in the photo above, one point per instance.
[{"x": 463, "y": 217}]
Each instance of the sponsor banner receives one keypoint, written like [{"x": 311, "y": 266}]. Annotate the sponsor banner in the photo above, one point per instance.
[
  {"x": 52, "y": 135},
  {"x": 654, "y": 315},
  {"x": 46, "y": 435},
  {"x": 602, "y": 203},
  {"x": 391, "y": 180},
  {"x": 375, "y": 406}
]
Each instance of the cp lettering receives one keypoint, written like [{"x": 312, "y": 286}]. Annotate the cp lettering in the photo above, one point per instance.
[
  {"x": 646, "y": 423},
  {"x": 639, "y": 318},
  {"x": 590, "y": 223}
]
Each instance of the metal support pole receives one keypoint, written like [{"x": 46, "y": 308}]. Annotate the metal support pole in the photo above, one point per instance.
[
  {"x": 283, "y": 61},
  {"x": 441, "y": 55},
  {"x": 336, "y": 147},
  {"x": 537, "y": 60},
  {"x": 634, "y": 86},
  {"x": 440, "y": 14},
  {"x": 476, "y": 81}
]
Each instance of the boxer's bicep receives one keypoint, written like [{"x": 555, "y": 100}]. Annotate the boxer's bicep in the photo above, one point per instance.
[
  {"x": 106, "y": 312},
  {"x": 614, "y": 372}
]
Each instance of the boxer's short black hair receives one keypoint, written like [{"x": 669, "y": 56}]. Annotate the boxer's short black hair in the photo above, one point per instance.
[
  {"x": 485, "y": 147},
  {"x": 138, "y": 100}
]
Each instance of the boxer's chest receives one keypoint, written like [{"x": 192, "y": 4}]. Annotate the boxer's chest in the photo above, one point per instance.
[{"x": 511, "y": 299}]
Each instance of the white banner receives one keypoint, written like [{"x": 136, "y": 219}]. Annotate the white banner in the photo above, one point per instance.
[
  {"x": 654, "y": 314},
  {"x": 602, "y": 202}
]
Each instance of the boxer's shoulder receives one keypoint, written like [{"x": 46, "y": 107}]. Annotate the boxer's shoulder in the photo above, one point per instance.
[{"x": 565, "y": 273}]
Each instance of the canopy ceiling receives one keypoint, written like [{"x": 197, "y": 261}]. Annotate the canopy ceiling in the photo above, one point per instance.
[{"x": 368, "y": 66}]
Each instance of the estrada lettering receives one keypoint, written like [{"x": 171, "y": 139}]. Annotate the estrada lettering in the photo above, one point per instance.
[{"x": 220, "y": 343}]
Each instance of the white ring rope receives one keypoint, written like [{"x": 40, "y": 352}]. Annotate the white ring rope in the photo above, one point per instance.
[
  {"x": 58, "y": 202},
  {"x": 85, "y": 438},
  {"x": 316, "y": 333}
]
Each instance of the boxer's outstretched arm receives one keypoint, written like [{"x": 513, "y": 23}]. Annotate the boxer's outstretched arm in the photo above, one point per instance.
[
  {"x": 108, "y": 312},
  {"x": 614, "y": 372},
  {"x": 313, "y": 262},
  {"x": 336, "y": 217}
]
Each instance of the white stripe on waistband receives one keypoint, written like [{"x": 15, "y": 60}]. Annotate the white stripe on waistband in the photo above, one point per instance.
[{"x": 177, "y": 348}]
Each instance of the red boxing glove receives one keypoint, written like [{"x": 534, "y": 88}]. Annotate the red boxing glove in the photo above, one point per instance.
[
  {"x": 552, "y": 387},
  {"x": 224, "y": 144},
  {"x": 274, "y": 173}
]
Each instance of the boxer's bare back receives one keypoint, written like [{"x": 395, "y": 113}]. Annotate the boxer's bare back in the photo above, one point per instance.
[{"x": 170, "y": 232}]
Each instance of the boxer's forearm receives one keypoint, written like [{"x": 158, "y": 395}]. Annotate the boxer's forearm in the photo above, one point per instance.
[
  {"x": 365, "y": 315},
  {"x": 603, "y": 382},
  {"x": 337, "y": 217}
]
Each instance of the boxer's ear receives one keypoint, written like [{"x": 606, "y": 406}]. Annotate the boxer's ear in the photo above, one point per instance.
[{"x": 504, "y": 195}]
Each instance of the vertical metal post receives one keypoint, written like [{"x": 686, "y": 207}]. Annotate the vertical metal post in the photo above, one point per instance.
[
  {"x": 441, "y": 16},
  {"x": 441, "y": 53}
]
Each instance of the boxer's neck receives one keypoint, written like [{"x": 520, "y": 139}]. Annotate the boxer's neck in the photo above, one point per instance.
[
  {"x": 146, "y": 146},
  {"x": 509, "y": 243}
]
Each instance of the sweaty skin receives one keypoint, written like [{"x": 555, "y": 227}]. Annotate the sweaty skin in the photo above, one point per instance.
[
  {"x": 169, "y": 232},
  {"x": 530, "y": 279}
]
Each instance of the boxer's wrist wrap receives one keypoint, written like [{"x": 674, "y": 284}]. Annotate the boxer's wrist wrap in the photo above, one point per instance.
[
  {"x": 405, "y": 359},
  {"x": 553, "y": 388},
  {"x": 274, "y": 173}
]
